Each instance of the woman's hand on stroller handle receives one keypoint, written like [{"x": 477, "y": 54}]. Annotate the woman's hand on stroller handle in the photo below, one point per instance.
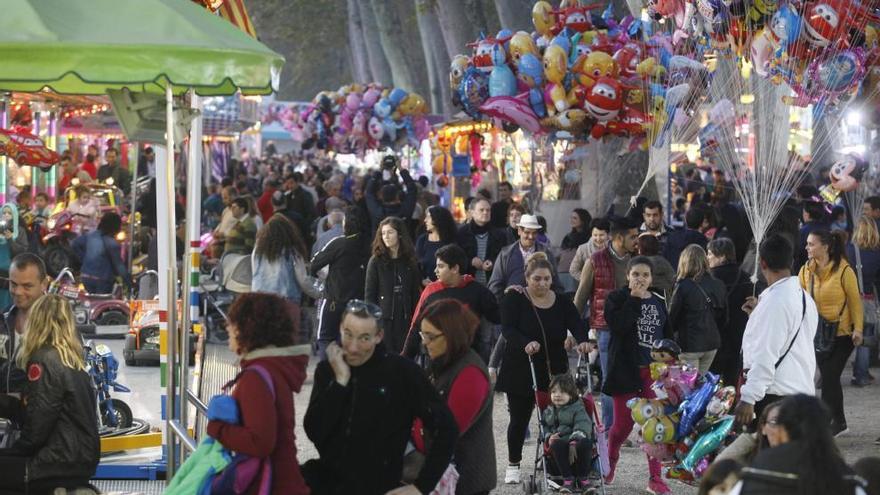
[{"x": 533, "y": 348}]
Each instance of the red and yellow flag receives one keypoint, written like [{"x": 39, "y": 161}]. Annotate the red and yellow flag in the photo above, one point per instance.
[{"x": 235, "y": 12}]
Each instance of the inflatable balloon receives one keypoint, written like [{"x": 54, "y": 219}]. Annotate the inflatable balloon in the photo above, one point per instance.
[
  {"x": 555, "y": 66},
  {"x": 571, "y": 120},
  {"x": 522, "y": 44},
  {"x": 515, "y": 110},
  {"x": 412, "y": 104},
  {"x": 645, "y": 409},
  {"x": 707, "y": 443},
  {"x": 845, "y": 176},
  {"x": 502, "y": 82},
  {"x": 473, "y": 91},
  {"x": 659, "y": 451},
  {"x": 659, "y": 429},
  {"x": 694, "y": 407},
  {"x": 531, "y": 75}
]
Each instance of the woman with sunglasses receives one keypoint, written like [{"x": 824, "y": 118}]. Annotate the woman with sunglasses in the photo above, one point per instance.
[{"x": 460, "y": 375}]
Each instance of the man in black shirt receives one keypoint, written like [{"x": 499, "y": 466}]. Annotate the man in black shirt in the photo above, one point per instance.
[
  {"x": 500, "y": 207},
  {"x": 112, "y": 170}
]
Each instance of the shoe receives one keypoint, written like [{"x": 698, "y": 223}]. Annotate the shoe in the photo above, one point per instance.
[
  {"x": 838, "y": 429},
  {"x": 628, "y": 444},
  {"x": 511, "y": 476},
  {"x": 584, "y": 484},
  {"x": 657, "y": 486},
  {"x": 859, "y": 383},
  {"x": 567, "y": 486}
]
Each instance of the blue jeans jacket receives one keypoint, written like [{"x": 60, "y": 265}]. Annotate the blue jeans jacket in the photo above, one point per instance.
[
  {"x": 276, "y": 277},
  {"x": 101, "y": 260}
]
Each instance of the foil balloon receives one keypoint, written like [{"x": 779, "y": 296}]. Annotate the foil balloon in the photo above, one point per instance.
[
  {"x": 707, "y": 443},
  {"x": 502, "y": 82},
  {"x": 555, "y": 68},
  {"x": 644, "y": 409},
  {"x": 718, "y": 406},
  {"x": 786, "y": 26},
  {"x": 531, "y": 74},
  {"x": 845, "y": 176},
  {"x": 473, "y": 91},
  {"x": 515, "y": 110},
  {"x": 694, "y": 407},
  {"x": 521, "y": 44},
  {"x": 660, "y": 429},
  {"x": 396, "y": 96},
  {"x": 660, "y": 451},
  {"x": 841, "y": 72}
]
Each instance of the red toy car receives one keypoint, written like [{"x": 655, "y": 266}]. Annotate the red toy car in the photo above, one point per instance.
[{"x": 26, "y": 148}]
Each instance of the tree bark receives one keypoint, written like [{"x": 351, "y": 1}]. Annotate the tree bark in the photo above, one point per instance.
[
  {"x": 456, "y": 26},
  {"x": 436, "y": 60},
  {"x": 379, "y": 66},
  {"x": 515, "y": 15},
  {"x": 389, "y": 27},
  {"x": 360, "y": 60}
]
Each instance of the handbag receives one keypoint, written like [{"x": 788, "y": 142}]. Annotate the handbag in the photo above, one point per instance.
[{"x": 823, "y": 342}]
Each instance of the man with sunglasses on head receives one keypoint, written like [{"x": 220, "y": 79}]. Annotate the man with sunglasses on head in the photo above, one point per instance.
[{"x": 361, "y": 411}]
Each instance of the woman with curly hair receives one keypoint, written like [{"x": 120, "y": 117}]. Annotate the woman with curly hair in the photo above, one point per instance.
[
  {"x": 261, "y": 333},
  {"x": 279, "y": 253},
  {"x": 393, "y": 281}
]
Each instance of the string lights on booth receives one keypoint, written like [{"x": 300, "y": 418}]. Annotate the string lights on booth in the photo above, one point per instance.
[{"x": 85, "y": 111}]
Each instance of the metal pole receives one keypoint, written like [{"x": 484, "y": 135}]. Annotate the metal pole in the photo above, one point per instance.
[
  {"x": 191, "y": 262},
  {"x": 4, "y": 161},
  {"x": 132, "y": 213},
  {"x": 167, "y": 260}
]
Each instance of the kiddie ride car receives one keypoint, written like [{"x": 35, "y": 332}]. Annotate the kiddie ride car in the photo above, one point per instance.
[
  {"x": 142, "y": 342},
  {"x": 94, "y": 314}
]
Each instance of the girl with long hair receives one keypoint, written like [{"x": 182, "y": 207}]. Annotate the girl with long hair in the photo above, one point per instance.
[
  {"x": 393, "y": 280},
  {"x": 439, "y": 231},
  {"x": 866, "y": 239},
  {"x": 831, "y": 281},
  {"x": 698, "y": 309},
  {"x": 279, "y": 253},
  {"x": 59, "y": 443}
]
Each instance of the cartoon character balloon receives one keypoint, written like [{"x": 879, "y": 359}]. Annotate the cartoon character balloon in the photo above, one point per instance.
[{"x": 845, "y": 176}]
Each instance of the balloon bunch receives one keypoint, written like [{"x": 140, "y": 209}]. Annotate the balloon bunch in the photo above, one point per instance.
[
  {"x": 688, "y": 420},
  {"x": 356, "y": 118},
  {"x": 579, "y": 71}
]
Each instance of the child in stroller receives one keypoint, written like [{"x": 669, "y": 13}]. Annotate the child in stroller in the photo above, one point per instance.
[{"x": 568, "y": 433}]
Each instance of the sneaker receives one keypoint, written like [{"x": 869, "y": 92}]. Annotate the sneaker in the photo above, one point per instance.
[
  {"x": 511, "y": 476},
  {"x": 855, "y": 382},
  {"x": 838, "y": 429},
  {"x": 567, "y": 486},
  {"x": 584, "y": 484},
  {"x": 657, "y": 486}
]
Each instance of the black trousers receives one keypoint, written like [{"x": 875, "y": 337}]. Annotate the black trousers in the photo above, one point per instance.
[
  {"x": 520, "y": 408},
  {"x": 13, "y": 479},
  {"x": 831, "y": 368},
  {"x": 559, "y": 451}
]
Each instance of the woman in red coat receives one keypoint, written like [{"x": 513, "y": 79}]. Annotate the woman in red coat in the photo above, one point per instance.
[{"x": 261, "y": 332}]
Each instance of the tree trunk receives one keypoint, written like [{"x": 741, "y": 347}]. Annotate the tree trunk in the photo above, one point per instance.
[
  {"x": 456, "y": 26},
  {"x": 437, "y": 61},
  {"x": 379, "y": 67},
  {"x": 389, "y": 27},
  {"x": 360, "y": 60},
  {"x": 515, "y": 15}
]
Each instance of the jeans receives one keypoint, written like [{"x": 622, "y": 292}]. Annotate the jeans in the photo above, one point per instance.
[
  {"x": 607, "y": 404},
  {"x": 520, "y": 409},
  {"x": 559, "y": 450},
  {"x": 699, "y": 360},
  {"x": 860, "y": 364},
  {"x": 623, "y": 424},
  {"x": 831, "y": 368}
]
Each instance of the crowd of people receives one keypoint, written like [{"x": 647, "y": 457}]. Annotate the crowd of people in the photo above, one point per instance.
[{"x": 425, "y": 325}]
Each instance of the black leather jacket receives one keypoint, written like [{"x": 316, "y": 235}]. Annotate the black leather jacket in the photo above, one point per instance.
[
  {"x": 12, "y": 379},
  {"x": 59, "y": 422}
]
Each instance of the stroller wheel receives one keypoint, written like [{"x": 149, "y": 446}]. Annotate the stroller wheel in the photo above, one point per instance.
[{"x": 531, "y": 485}]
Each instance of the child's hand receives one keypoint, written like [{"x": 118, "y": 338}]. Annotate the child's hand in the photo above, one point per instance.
[{"x": 553, "y": 437}]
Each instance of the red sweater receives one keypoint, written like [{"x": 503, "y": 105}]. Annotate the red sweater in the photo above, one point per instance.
[
  {"x": 267, "y": 424},
  {"x": 466, "y": 397},
  {"x": 264, "y": 204}
]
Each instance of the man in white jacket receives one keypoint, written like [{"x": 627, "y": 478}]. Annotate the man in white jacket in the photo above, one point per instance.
[{"x": 778, "y": 354}]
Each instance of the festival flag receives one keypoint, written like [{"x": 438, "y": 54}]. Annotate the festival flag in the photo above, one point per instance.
[{"x": 235, "y": 12}]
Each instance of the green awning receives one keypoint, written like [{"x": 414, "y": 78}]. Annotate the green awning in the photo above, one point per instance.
[{"x": 89, "y": 46}]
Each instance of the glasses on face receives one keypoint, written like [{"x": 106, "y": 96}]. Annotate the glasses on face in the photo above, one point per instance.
[
  {"x": 359, "y": 306},
  {"x": 430, "y": 337},
  {"x": 772, "y": 422}
]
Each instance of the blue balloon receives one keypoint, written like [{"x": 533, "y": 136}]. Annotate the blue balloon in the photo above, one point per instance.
[
  {"x": 693, "y": 408},
  {"x": 563, "y": 41},
  {"x": 707, "y": 443},
  {"x": 502, "y": 82},
  {"x": 473, "y": 90},
  {"x": 396, "y": 96},
  {"x": 786, "y": 24}
]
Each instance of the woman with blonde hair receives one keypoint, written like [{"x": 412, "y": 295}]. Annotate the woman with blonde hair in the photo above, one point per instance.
[
  {"x": 866, "y": 238},
  {"x": 831, "y": 281},
  {"x": 59, "y": 443},
  {"x": 698, "y": 309}
]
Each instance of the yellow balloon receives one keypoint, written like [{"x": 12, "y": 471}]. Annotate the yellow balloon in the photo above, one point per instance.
[
  {"x": 520, "y": 44},
  {"x": 456, "y": 70},
  {"x": 413, "y": 104},
  {"x": 543, "y": 18}
]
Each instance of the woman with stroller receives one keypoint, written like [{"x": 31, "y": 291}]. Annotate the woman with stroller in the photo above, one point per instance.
[
  {"x": 535, "y": 322},
  {"x": 101, "y": 255},
  {"x": 447, "y": 328},
  {"x": 59, "y": 443},
  {"x": 261, "y": 334},
  {"x": 567, "y": 425},
  {"x": 393, "y": 281},
  {"x": 637, "y": 320},
  {"x": 279, "y": 253}
]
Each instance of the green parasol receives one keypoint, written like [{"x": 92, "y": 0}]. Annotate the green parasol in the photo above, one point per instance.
[{"x": 89, "y": 46}]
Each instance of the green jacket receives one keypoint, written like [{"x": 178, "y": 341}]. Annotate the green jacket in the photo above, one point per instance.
[
  {"x": 209, "y": 458},
  {"x": 571, "y": 421}
]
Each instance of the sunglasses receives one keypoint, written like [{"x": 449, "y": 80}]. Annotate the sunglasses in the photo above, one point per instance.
[{"x": 359, "y": 306}]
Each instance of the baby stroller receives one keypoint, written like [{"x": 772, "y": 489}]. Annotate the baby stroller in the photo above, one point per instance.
[
  {"x": 546, "y": 476},
  {"x": 230, "y": 277}
]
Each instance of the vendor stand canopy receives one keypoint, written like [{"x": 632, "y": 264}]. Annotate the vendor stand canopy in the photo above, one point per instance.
[{"x": 90, "y": 47}]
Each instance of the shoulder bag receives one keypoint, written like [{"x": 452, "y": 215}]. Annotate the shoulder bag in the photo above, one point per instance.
[{"x": 823, "y": 342}]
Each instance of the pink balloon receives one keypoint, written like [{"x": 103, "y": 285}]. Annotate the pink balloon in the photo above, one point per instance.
[
  {"x": 513, "y": 109},
  {"x": 371, "y": 96}
]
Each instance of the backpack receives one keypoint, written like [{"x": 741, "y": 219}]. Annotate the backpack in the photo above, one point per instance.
[{"x": 245, "y": 471}]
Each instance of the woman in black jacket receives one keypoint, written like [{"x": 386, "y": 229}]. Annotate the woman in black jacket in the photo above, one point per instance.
[
  {"x": 637, "y": 319},
  {"x": 806, "y": 460},
  {"x": 393, "y": 281},
  {"x": 721, "y": 254},
  {"x": 698, "y": 309},
  {"x": 347, "y": 257},
  {"x": 59, "y": 443},
  {"x": 535, "y": 322}
]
